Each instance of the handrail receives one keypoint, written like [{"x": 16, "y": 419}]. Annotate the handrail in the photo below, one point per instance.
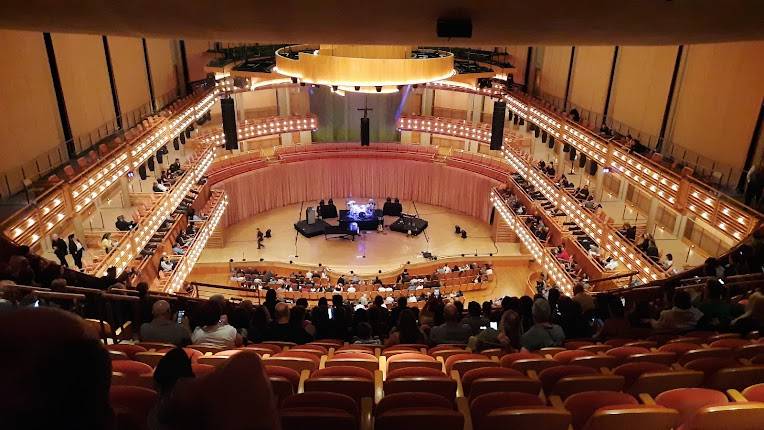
[
  {"x": 613, "y": 277},
  {"x": 681, "y": 192}
]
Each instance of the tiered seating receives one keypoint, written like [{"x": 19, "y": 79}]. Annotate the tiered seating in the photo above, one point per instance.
[{"x": 585, "y": 384}]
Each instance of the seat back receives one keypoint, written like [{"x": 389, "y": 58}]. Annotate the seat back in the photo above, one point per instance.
[
  {"x": 362, "y": 360},
  {"x": 132, "y": 405},
  {"x": 528, "y": 418},
  {"x": 411, "y": 418},
  {"x": 354, "y": 382},
  {"x": 578, "y": 384},
  {"x": 582, "y": 405},
  {"x": 464, "y": 362},
  {"x": 737, "y": 416},
  {"x": 654, "y": 383},
  {"x": 688, "y": 401},
  {"x": 150, "y": 358},
  {"x": 491, "y": 379},
  {"x": 298, "y": 361},
  {"x": 412, "y": 359},
  {"x": 737, "y": 378},
  {"x": 481, "y": 406},
  {"x": 619, "y": 417},
  {"x": 418, "y": 380},
  {"x": 411, "y": 400}
]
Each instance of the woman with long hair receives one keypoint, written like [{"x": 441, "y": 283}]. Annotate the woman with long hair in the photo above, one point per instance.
[{"x": 406, "y": 331}]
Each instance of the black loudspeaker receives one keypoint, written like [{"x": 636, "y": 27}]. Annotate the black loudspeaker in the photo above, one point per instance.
[
  {"x": 592, "y": 168},
  {"x": 544, "y": 136},
  {"x": 229, "y": 124},
  {"x": 515, "y": 120},
  {"x": 536, "y": 131},
  {"x": 522, "y": 121},
  {"x": 509, "y": 116},
  {"x": 551, "y": 142},
  {"x": 457, "y": 27},
  {"x": 364, "y": 131},
  {"x": 582, "y": 160},
  {"x": 572, "y": 153},
  {"x": 182, "y": 138},
  {"x": 160, "y": 156},
  {"x": 565, "y": 147},
  {"x": 150, "y": 163},
  {"x": 188, "y": 132},
  {"x": 142, "y": 171},
  {"x": 497, "y": 125},
  {"x": 176, "y": 143}
]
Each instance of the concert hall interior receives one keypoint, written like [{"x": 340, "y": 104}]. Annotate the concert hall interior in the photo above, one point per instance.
[{"x": 388, "y": 215}]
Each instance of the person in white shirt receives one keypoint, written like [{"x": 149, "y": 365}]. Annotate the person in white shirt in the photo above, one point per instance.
[
  {"x": 165, "y": 264},
  {"x": 611, "y": 264},
  {"x": 667, "y": 262},
  {"x": 446, "y": 269},
  {"x": 389, "y": 300},
  {"x": 351, "y": 289},
  {"x": 411, "y": 299},
  {"x": 309, "y": 274},
  {"x": 364, "y": 300},
  {"x": 214, "y": 330},
  {"x": 159, "y": 187}
]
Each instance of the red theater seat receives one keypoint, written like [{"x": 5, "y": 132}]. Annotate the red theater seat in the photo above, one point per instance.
[
  {"x": 583, "y": 405},
  {"x": 132, "y": 405},
  {"x": 420, "y": 379},
  {"x": 464, "y": 362},
  {"x": 356, "y": 359},
  {"x": 482, "y": 405},
  {"x": 619, "y": 417},
  {"x": 128, "y": 348},
  {"x": 687, "y": 401},
  {"x": 419, "y": 418},
  {"x": 412, "y": 359},
  {"x": 320, "y": 411},
  {"x": 411, "y": 400},
  {"x": 491, "y": 379}
]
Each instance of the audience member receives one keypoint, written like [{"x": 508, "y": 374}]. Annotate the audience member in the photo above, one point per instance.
[
  {"x": 682, "y": 316},
  {"x": 214, "y": 330},
  {"x": 452, "y": 331},
  {"x": 406, "y": 331},
  {"x": 543, "y": 333},
  {"x": 282, "y": 330},
  {"x": 162, "y": 328}
]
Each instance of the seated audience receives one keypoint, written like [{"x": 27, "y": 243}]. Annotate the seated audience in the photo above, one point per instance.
[
  {"x": 452, "y": 331},
  {"x": 406, "y": 330},
  {"x": 213, "y": 329},
  {"x": 543, "y": 333},
  {"x": 282, "y": 330},
  {"x": 681, "y": 316},
  {"x": 124, "y": 225},
  {"x": 475, "y": 320},
  {"x": 753, "y": 318},
  {"x": 162, "y": 328}
]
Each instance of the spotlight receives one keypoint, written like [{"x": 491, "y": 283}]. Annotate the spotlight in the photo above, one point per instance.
[
  {"x": 378, "y": 88},
  {"x": 357, "y": 88},
  {"x": 294, "y": 80},
  {"x": 490, "y": 254},
  {"x": 335, "y": 87},
  {"x": 351, "y": 272},
  {"x": 290, "y": 262},
  {"x": 475, "y": 255},
  {"x": 243, "y": 259},
  {"x": 415, "y": 86},
  {"x": 230, "y": 261},
  {"x": 319, "y": 264},
  {"x": 462, "y": 255},
  {"x": 408, "y": 262},
  {"x": 262, "y": 259},
  {"x": 302, "y": 84}
]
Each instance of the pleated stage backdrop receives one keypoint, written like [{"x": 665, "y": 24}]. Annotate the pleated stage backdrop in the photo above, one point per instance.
[
  {"x": 284, "y": 184},
  {"x": 339, "y": 119}
]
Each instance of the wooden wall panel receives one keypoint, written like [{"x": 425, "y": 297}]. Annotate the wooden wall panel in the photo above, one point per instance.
[
  {"x": 28, "y": 108},
  {"x": 197, "y": 57},
  {"x": 720, "y": 94},
  {"x": 591, "y": 74},
  {"x": 129, "y": 72},
  {"x": 641, "y": 85},
  {"x": 519, "y": 59},
  {"x": 258, "y": 104},
  {"x": 85, "y": 81},
  {"x": 165, "y": 68},
  {"x": 452, "y": 100},
  {"x": 554, "y": 71}
]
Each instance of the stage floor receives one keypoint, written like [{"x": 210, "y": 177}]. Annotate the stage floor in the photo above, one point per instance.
[{"x": 366, "y": 255}]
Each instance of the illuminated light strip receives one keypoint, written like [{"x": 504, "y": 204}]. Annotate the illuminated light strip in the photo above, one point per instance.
[
  {"x": 264, "y": 127},
  {"x": 583, "y": 219},
  {"x": 187, "y": 262},
  {"x": 550, "y": 264},
  {"x": 140, "y": 236}
]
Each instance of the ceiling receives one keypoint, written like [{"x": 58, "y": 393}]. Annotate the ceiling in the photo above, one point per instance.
[{"x": 495, "y": 22}]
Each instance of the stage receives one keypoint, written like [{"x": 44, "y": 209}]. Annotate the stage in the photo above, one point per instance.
[{"x": 371, "y": 251}]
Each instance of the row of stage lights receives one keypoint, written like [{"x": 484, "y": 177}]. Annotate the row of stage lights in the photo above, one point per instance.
[
  {"x": 88, "y": 189},
  {"x": 547, "y": 261},
  {"x": 266, "y": 127},
  {"x": 136, "y": 239},
  {"x": 187, "y": 262},
  {"x": 663, "y": 184}
]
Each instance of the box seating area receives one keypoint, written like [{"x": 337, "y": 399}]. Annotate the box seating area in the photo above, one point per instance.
[
  {"x": 481, "y": 164},
  {"x": 697, "y": 381},
  {"x": 349, "y": 150}
]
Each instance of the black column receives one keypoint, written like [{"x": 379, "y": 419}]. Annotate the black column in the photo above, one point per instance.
[
  {"x": 112, "y": 82},
  {"x": 184, "y": 61},
  {"x": 148, "y": 74},
  {"x": 610, "y": 84},
  {"x": 752, "y": 148},
  {"x": 65, "y": 125},
  {"x": 669, "y": 98},
  {"x": 528, "y": 70},
  {"x": 567, "y": 82}
]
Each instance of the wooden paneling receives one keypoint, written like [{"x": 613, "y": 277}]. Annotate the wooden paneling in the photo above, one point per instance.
[
  {"x": 640, "y": 86},
  {"x": 720, "y": 94},
  {"x": 164, "y": 66},
  {"x": 129, "y": 72},
  {"x": 554, "y": 71},
  {"x": 85, "y": 81},
  {"x": 28, "y": 109},
  {"x": 197, "y": 57},
  {"x": 591, "y": 74}
]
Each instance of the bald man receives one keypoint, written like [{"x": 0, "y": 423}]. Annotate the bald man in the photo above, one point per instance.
[
  {"x": 162, "y": 328},
  {"x": 282, "y": 330},
  {"x": 453, "y": 330}
]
